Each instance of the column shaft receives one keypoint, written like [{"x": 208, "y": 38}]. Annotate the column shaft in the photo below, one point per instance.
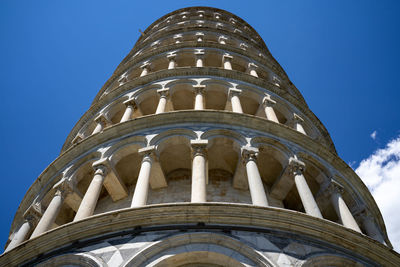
[
  {"x": 162, "y": 103},
  {"x": 92, "y": 194},
  {"x": 372, "y": 230},
  {"x": 199, "y": 174},
  {"x": 145, "y": 71},
  {"x": 199, "y": 101},
  {"x": 343, "y": 212},
  {"x": 19, "y": 236},
  {"x": 99, "y": 127},
  {"x": 199, "y": 62},
  {"x": 306, "y": 196},
  {"x": 171, "y": 64},
  {"x": 236, "y": 106},
  {"x": 227, "y": 64},
  {"x": 300, "y": 128},
  {"x": 253, "y": 72},
  {"x": 128, "y": 113},
  {"x": 49, "y": 216},
  {"x": 256, "y": 187},
  {"x": 257, "y": 192},
  {"x": 142, "y": 184},
  {"x": 270, "y": 114}
]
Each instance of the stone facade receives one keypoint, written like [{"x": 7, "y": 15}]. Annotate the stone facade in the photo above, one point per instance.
[{"x": 198, "y": 151}]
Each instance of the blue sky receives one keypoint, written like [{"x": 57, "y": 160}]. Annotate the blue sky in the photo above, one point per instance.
[{"x": 343, "y": 56}]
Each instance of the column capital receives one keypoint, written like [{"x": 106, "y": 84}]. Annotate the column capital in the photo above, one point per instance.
[
  {"x": 199, "y": 147},
  {"x": 33, "y": 214},
  {"x": 199, "y": 52},
  {"x": 252, "y": 66},
  {"x": 163, "y": 92},
  {"x": 267, "y": 101},
  {"x": 276, "y": 81},
  {"x": 297, "y": 118},
  {"x": 222, "y": 38},
  {"x": 249, "y": 153},
  {"x": 123, "y": 79},
  {"x": 178, "y": 38},
  {"x": 234, "y": 92},
  {"x": 296, "y": 166},
  {"x": 227, "y": 57},
  {"x": 199, "y": 89},
  {"x": 147, "y": 151},
  {"x": 78, "y": 138},
  {"x": 145, "y": 65},
  {"x": 130, "y": 102},
  {"x": 101, "y": 167},
  {"x": 64, "y": 188},
  {"x": 243, "y": 46},
  {"x": 334, "y": 187},
  {"x": 363, "y": 214},
  {"x": 101, "y": 119},
  {"x": 171, "y": 57}
]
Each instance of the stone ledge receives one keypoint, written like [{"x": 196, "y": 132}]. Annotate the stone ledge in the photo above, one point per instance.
[{"x": 228, "y": 214}]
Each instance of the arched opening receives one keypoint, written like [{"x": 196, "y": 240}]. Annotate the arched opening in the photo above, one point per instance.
[
  {"x": 223, "y": 157},
  {"x": 147, "y": 101},
  {"x": 182, "y": 96},
  {"x": 175, "y": 160},
  {"x": 215, "y": 95}
]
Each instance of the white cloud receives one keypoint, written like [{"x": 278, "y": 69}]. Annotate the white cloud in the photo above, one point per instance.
[
  {"x": 373, "y": 135},
  {"x": 381, "y": 173}
]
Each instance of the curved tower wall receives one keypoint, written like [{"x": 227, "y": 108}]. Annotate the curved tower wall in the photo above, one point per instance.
[{"x": 198, "y": 150}]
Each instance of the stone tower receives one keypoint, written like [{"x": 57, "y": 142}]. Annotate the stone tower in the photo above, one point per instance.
[{"x": 198, "y": 151}]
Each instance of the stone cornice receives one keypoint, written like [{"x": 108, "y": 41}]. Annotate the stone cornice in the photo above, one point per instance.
[
  {"x": 251, "y": 218},
  {"x": 206, "y": 71},
  {"x": 356, "y": 189}
]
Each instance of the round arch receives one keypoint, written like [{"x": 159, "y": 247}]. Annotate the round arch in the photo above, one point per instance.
[{"x": 222, "y": 249}]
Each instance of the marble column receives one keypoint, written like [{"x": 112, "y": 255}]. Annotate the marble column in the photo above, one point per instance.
[
  {"x": 199, "y": 59},
  {"x": 92, "y": 194},
  {"x": 162, "y": 103},
  {"x": 222, "y": 40},
  {"x": 341, "y": 208},
  {"x": 172, "y": 63},
  {"x": 100, "y": 124},
  {"x": 243, "y": 46},
  {"x": 252, "y": 69},
  {"x": 298, "y": 124},
  {"x": 256, "y": 187},
  {"x": 227, "y": 61},
  {"x": 130, "y": 108},
  {"x": 178, "y": 38},
  {"x": 200, "y": 36},
  {"x": 123, "y": 79},
  {"x": 370, "y": 226},
  {"x": 20, "y": 236},
  {"x": 51, "y": 213},
  {"x": 143, "y": 181},
  {"x": 199, "y": 170},
  {"x": 268, "y": 104},
  {"x": 31, "y": 217},
  {"x": 297, "y": 168},
  {"x": 235, "y": 100},
  {"x": 199, "y": 99},
  {"x": 145, "y": 69}
]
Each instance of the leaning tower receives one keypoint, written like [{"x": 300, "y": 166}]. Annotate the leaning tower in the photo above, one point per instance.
[{"x": 198, "y": 151}]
